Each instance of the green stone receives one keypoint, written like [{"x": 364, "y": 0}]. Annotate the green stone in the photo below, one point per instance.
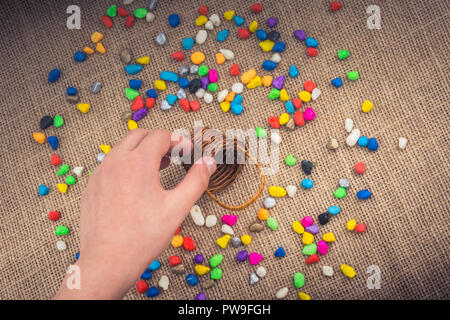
[
  {"x": 112, "y": 11},
  {"x": 58, "y": 121},
  {"x": 140, "y": 13},
  {"x": 63, "y": 170},
  {"x": 343, "y": 54},
  {"x": 71, "y": 180},
  {"x": 216, "y": 273},
  {"x": 212, "y": 87},
  {"x": 131, "y": 94},
  {"x": 261, "y": 132},
  {"x": 274, "y": 94},
  {"x": 216, "y": 260},
  {"x": 272, "y": 223},
  {"x": 340, "y": 193},
  {"x": 353, "y": 75},
  {"x": 299, "y": 280},
  {"x": 309, "y": 249},
  {"x": 61, "y": 230},
  {"x": 203, "y": 70},
  {"x": 290, "y": 160}
]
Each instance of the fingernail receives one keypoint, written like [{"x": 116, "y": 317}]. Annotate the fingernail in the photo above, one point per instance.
[{"x": 210, "y": 164}]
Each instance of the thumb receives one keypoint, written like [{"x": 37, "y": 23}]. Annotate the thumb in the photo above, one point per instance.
[{"x": 194, "y": 184}]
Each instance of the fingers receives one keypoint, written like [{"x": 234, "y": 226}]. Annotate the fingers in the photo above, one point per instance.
[
  {"x": 194, "y": 184},
  {"x": 132, "y": 140}
]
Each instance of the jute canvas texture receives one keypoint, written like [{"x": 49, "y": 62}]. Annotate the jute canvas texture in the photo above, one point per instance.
[{"x": 404, "y": 70}]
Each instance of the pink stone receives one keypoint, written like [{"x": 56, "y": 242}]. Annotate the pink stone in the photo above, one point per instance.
[
  {"x": 229, "y": 219},
  {"x": 255, "y": 258},
  {"x": 309, "y": 114},
  {"x": 307, "y": 221},
  {"x": 322, "y": 247},
  {"x": 213, "y": 76}
]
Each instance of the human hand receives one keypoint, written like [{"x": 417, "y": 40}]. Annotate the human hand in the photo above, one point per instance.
[{"x": 127, "y": 219}]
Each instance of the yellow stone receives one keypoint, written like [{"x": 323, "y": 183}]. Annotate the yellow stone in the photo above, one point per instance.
[
  {"x": 367, "y": 106},
  {"x": 304, "y": 296},
  {"x": 266, "y": 45},
  {"x": 246, "y": 239},
  {"x": 177, "y": 241},
  {"x": 284, "y": 118},
  {"x": 201, "y": 20},
  {"x": 62, "y": 187},
  {"x": 329, "y": 237},
  {"x": 248, "y": 76},
  {"x": 297, "y": 226},
  {"x": 201, "y": 270},
  {"x": 197, "y": 57},
  {"x": 305, "y": 96},
  {"x": 307, "y": 238},
  {"x": 267, "y": 81},
  {"x": 278, "y": 192},
  {"x": 88, "y": 50},
  {"x": 84, "y": 107},
  {"x": 132, "y": 125},
  {"x": 348, "y": 271},
  {"x": 351, "y": 224},
  {"x": 39, "y": 137},
  {"x": 160, "y": 85},
  {"x": 228, "y": 15},
  {"x": 254, "y": 83},
  {"x": 223, "y": 241},
  {"x": 220, "y": 58},
  {"x": 105, "y": 148},
  {"x": 100, "y": 48},
  {"x": 230, "y": 96},
  {"x": 284, "y": 95},
  {"x": 253, "y": 26},
  {"x": 225, "y": 106},
  {"x": 143, "y": 60},
  {"x": 96, "y": 37}
]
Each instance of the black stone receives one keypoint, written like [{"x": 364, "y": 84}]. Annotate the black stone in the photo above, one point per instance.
[
  {"x": 46, "y": 122},
  {"x": 273, "y": 36},
  {"x": 307, "y": 166},
  {"x": 324, "y": 218},
  {"x": 194, "y": 85}
]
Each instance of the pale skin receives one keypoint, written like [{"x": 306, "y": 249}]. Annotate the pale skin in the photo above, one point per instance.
[{"x": 127, "y": 218}]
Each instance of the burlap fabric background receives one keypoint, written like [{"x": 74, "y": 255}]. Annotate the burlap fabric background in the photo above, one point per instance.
[{"x": 403, "y": 69}]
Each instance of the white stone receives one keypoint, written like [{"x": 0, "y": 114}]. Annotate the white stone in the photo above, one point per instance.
[
  {"x": 200, "y": 93},
  {"x": 228, "y": 54},
  {"x": 208, "y": 97},
  {"x": 209, "y": 25},
  {"x": 315, "y": 93},
  {"x": 201, "y": 36},
  {"x": 353, "y": 137},
  {"x": 222, "y": 95},
  {"x": 101, "y": 156},
  {"x": 197, "y": 215},
  {"x": 78, "y": 171},
  {"x": 275, "y": 138},
  {"x": 261, "y": 271},
  {"x": 149, "y": 17},
  {"x": 127, "y": 2},
  {"x": 291, "y": 190},
  {"x": 282, "y": 293},
  {"x": 237, "y": 87},
  {"x": 254, "y": 279},
  {"x": 348, "y": 125},
  {"x": 227, "y": 229},
  {"x": 402, "y": 142},
  {"x": 164, "y": 282},
  {"x": 61, "y": 245},
  {"x": 269, "y": 202},
  {"x": 327, "y": 271},
  {"x": 214, "y": 18},
  {"x": 211, "y": 221},
  {"x": 276, "y": 57}
]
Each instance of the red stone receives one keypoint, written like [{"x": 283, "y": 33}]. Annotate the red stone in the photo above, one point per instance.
[
  {"x": 335, "y": 6},
  {"x": 309, "y": 85},
  {"x": 274, "y": 122},
  {"x": 256, "y": 7},
  {"x": 137, "y": 103},
  {"x": 360, "y": 167},
  {"x": 107, "y": 21},
  {"x": 177, "y": 231},
  {"x": 184, "y": 104},
  {"x": 195, "y": 105},
  {"x": 297, "y": 103},
  {"x": 188, "y": 243},
  {"x": 203, "y": 10},
  {"x": 122, "y": 12},
  {"x": 298, "y": 118},
  {"x": 54, "y": 215},
  {"x": 141, "y": 286},
  {"x": 55, "y": 160},
  {"x": 312, "y": 52},
  {"x": 174, "y": 260},
  {"x": 314, "y": 258},
  {"x": 243, "y": 33},
  {"x": 150, "y": 102},
  {"x": 234, "y": 70},
  {"x": 129, "y": 21},
  {"x": 360, "y": 227},
  {"x": 178, "y": 55}
]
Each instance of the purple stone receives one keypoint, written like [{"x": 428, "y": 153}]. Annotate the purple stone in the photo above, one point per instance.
[
  {"x": 198, "y": 258},
  {"x": 205, "y": 82},
  {"x": 278, "y": 82},
  {"x": 242, "y": 256},
  {"x": 314, "y": 229},
  {"x": 300, "y": 34},
  {"x": 200, "y": 296},
  {"x": 272, "y": 22},
  {"x": 140, "y": 114}
]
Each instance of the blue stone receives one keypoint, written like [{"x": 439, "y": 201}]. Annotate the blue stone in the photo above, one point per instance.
[
  {"x": 289, "y": 107},
  {"x": 77, "y": 255},
  {"x": 222, "y": 35},
  {"x": 372, "y": 144},
  {"x": 43, "y": 190},
  {"x": 269, "y": 65},
  {"x": 54, "y": 75},
  {"x": 188, "y": 43},
  {"x": 307, "y": 183},
  {"x": 154, "y": 265},
  {"x": 135, "y": 83},
  {"x": 334, "y": 210},
  {"x": 239, "y": 21},
  {"x": 133, "y": 68},
  {"x": 71, "y": 91},
  {"x": 79, "y": 56},
  {"x": 191, "y": 279},
  {"x": 171, "y": 99},
  {"x": 362, "y": 141},
  {"x": 261, "y": 34},
  {"x": 152, "y": 292},
  {"x": 279, "y": 47},
  {"x": 174, "y": 20},
  {"x": 311, "y": 42},
  {"x": 237, "y": 99},
  {"x": 280, "y": 253},
  {"x": 237, "y": 109},
  {"x": 146, "y": 275},
  {"x": 183, "y": 82},
  {"x": 53, "y": 142},
  {"x": 293, "y": 71},
  {"x": 363, "y": 194},
  {"x": 168, "y": 76},
  {"x": 152, "y": 93},
  {"x": 336, "y": 82}
]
